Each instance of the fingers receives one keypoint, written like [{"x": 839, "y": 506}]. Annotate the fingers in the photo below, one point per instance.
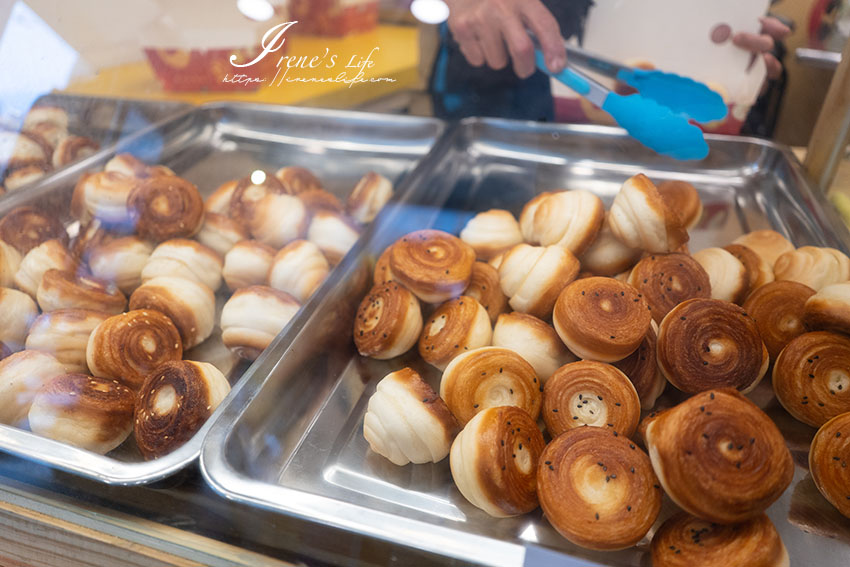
[
  {"x": 774, "y": 67},
  {"x": 521, "y": 48},
  {"x": 544, "y": 25},
  {"x": 774, "y": 28},
  {"x": 463, "y": 32},
  {"x": 757, "y": 43},
  {"x": 493, "y": 45}
]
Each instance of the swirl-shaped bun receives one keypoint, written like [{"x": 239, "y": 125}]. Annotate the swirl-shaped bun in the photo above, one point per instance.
[
  {"x": 65, "y": 334},
  {"x": 25, "y": 174},
  {"x": 174, "y": 402},
  {"x": 484, "y": 286},
  {"x": 494, "y": 461},
  {"x": 534, "y": 340},
  {"x": 640, "y": 218},
  {"x": 46, "y": 114},
  {"x": 297, "y": 180},
  {"x": 165, "y": 207},
  {"x": 759, "y": 271},
  {"x": 778, "y": 309},
  {"x": 121, "y": 261},
  {"x": 247, "y": 263},
  {"x": 598, "y": 489},
  {"x": 247, "y": 194},
  {"x": 130, "y": 166},
  {"x": 128, "y": 346},
  {"x": 457, "y": 326},
  {"x": 298, "y": 269},
  {"x": 26, "y": 227},
  {"x": 278, "y": 219},
  {"x": 333, "y": 233},
  {"x": 491, "y": 232},
  {"x": 666, "y": 280},
  {"x": 10, "y": 261},
  {"x": 641, "y": 367},
  {"x": 828, "y": 462},
  {"x": 189, "y": 305},
  {"x": 590, "y": 393},
  {"x": 811, "y": 377},
  {"x": 533, "y": 276},
  {"x": 686, "y": 541},
  {"x": 72, "y": 148},
  {"x": 46, "y": 256},
  {"x": 682, "y": 198},
  {"x": 320, "y": 200},
  {"x": 219, "y": 201},
  {"x": 407, "y": 422},
  {"x": 182, "y": 258},
  {"x": 768, "y": 244},
  {"x": 601, "y": 319},
  {"x": 368, "y": 197},
  {"x": 22, "y": 375},
  {"x": 253, "y": 317},
  {"x": 526, "y": 216},
  {"x": 709, "y": 343},
  {"x": 570, "y": 219},
  {"x": 103, "y": 196},
  {"x": 388, "y": 322},
  {"x": 490, "y": 377},
  {"x": 729, "y": 279},
  {"x": 432, "y": 264},
  {"x": 829, "y": 309},
  {"x": 719, "y": 457},
  {"x": 607, "y": 256},
  {"x": 809, "y": 265},
  {"x": 68, "y": 290},
  {"x": 17, "y": 313},
  {"x": 382, "y": 273},
  {"x": 220, "y": 233}
]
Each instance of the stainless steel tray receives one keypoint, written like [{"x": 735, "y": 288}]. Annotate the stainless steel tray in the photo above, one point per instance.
[
  {"x": 296, "y": 445},
  {"x": 208, "y": 146}
]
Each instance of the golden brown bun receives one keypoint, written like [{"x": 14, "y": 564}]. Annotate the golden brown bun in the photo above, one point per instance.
[
  {"x": 174, "y": 402},
  {"x": 533, "y": 276},
  {"x": 811, "y": 377},
  {"x": 253, "y": 317},
  {"x": 484, "y": 286},
  {"x": 490, "y": 377},
  {"x": 388, "y": 322},
  {"x": 829, "y": 309},
  {"x": 640, "y": 218},
  {"x": 597, "y": 489},
  {"x": 50, "y": 132},
  {"x": 666, "y": 280},
  {"x": 298, "y": 269},
  {"x": 526, "y": 216},
  {"x": 165, "y": 207},
  {"x": 709, "y": 343},
  {"x": 407, "y": 422},
  {"x": 183, "y": 258},
  {"x": 719, "y": 457},
  {"x": 570, "y": 219},
  {"x": 432, "y": 264},
  {"x": 61, "y": 289},
  {"x": 682, "y": 198},
  {"x": 10, "y": 261},
  {"x": 131, "y": 166},
  {"x": 729, "y": 278},
  {"x": 121, "y": 261},
  {"x": 778, "y": 308},
  {"x": 758, "y": 270},
  {"x": 72, "y": 148},
  {"x": 46, "y": 114},
  {"x": 219, "y": 201},
  {"x": 601, "y": 319},
  {"x": 641, "y": 367},
  {"x": 333, "y": 233},
  {"x": 686, "y": 541},
  {"x": 382, "y": 272},
  {"x": 278, "y": 219},
  {"x": 17, "y": 313},
  {"x": 65, "y": 334},
  {"x": 828, "y": 462},
  {"x": 22, "y": 375},
  {"x": 590, "y": 393},
  {"x": 46, "y": 256},
  {"x": 494, "y": 461},
  {"x": 25, "y": 228},
  {"x": 810, "y": 265},
  {"x": 320, "y": 200},
  {"x": 297, "y": 180},
  {"x": 24, "y": 175},
  {"x": 457, "y": 326},
  {"x": 534, "y": 340},
  {"x": 247, "y": 263},
  {"x": 491, "y": 232},
  {"x": 607, "y": 256},
  {"x": 368, "y": 197},
  {"x": 220, "y": 233},
  {"x": 189, "y": 305},
  {"x": 768, "y": 244},
  {"x": 247, "y": 194}
]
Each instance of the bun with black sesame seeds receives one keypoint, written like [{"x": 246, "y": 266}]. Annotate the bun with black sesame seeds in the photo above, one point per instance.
[
  {"x": 666, "y": 280},
  {"x": 641, "y": 367},
  {"x": 388, "y": 321},
  {"x": 829, "y": 462},
  {"x": 432, "y": 264},
  {"x": 778, "y": 309},
  {"x": 484, "y": 286},
  {"x": 457, "y": 326}
]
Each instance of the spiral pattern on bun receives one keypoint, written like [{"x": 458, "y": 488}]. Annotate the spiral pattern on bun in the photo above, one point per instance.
[
  {"x": 65, "y": 335},
  {"x": 607, "y": 256},
  {"x": 189, "y": 305},
  {"x": 219, "y": 202},
  {"x": 491, "y": 232},
  {"x": 457, "y": 326},
  {"x": 809, "y": 265},
  {"x": 278, "y": 219},
  {"x": 253, "y": 317},
  {"x": 534, "y": 340},
  {"x": 247, "y": 263},
  {"x": 570, "y": 219},
  {"x": 298, "y": 269},
  {"x": 66, "y": 290},
  {"x": 666, "y": 280},
  {"x": 730, "y": 280},
  {"x": 121, "y": 261},
  {"x": 759, "y": 272},
  {"x": 484, "y": 286},
  {"x": 17, "y": 313},
  {"x": 103, "y": 196},
  {"x": 165, "y": 207},
  {"x": 220, "y": 233},
  {"x": 182, "y": 258},
  {"x": 22, "y": 375},
  {"x": 829, "y": 457},
  {"x": 382, "y": 272},
  {"x": 682, "y": 198},
  {"x": 368, "y": 197},
  {"x": 641, "y": 367},
  {"x": 10, "y": 261},
  {"x": 778, "y": 309},
  {"x": 388, "y": 322},
  {"x": 432, "y": 264},
  {"x": 26, "y": 227},
  {"x": 533, "y": 276},
  {"x": 46, "y": 256},
  {"x": 333, "y": 233},
  {"x": 640, "y": 218},
  {"x": 247, "y": 194},
  {"x": 295, "y": 180},
  {"x": 829, "y": 309}
]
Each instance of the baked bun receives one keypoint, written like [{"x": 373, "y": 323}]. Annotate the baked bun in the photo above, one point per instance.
[
  {"x": 598, "y": 489},
  {"x": 128, "y": 346},
  {"x": 686, "y": 541},
  {"x": 484, "y": 286},
  {"x": 590, "y": 393},
  {"x": 534, "y": 340},
  {"x": 296, "y": 180},
  {"x": 490, "y": 377},
  {"x": 64, "y": 334},
  {"x": 25, "y": 174},
  {"x": 382, "y": 272},
  {"x": 189, "y": 305},
  {"x": 607, "y": 256},
  {"x": 829, "y": 309},
  {"x": 219, "y": 201},
  {"x": 641, "y": 367},
  {"x": 666, "y": 280},
  {"x": 182, "y": 258},
  {"x": 247, "y": 263},
  {"x": 24, "y": 228},
  {"x": 320, "y": 200},
  {"x": 10, "y": 261},
  {"x": 811, "y": 377},
  {"x": 682, "y": 198},
  {"x": 173, "y": 404},
  {"x": 768, "y": 244},
  {"x": 131, "y": 166},
  {"x": 46, "y": 256},
  {"x": 778, "y": 308},
  {"x": 457, "y": 326},
  {"x": 73, "y": 148},
  {"x": 491, "y": 232},
  {"x": 220, "y": 233},
  {"x": 46, "y": 114},
  {"x": 388, "y": 322},
  {"x": 809, "y": 265},
  {"x": 570, "y": 219},
  {"x": 17, "y": 313},
  {"x": 533, "y": 276},
  {"x": 278, "y": 219},
  {"x": 494, "y": 461},
  {"x": 298, "y": 269},
  {"x": 526, "y": 216},
  {"x": 253, "y": 317},
  {"x": 759, "y": 271},
  {"x": 432, "y": 264},
  {"x": 22, "y": 375},
  {"x": 828, "y": 458},
  {"x": 368, "y": 197},
  {"x": 53, "y": 134},
  {"x": 28, "y": 148},
  {"x": 719, "y": 457},
  {"x": 89, "y": 237},
  {"x": 248, "y": 193},
  {"x": 67, "y": 290},
  {"x": 640, "y": 218},
  {"x": 103, "y": 196},
  {"x": 601, "y": 319},
  {"x": 121, "y": 261},
  {"x": 730, "y": 280},
  {"x": 407, "y": 422},
  {"x": 333, "y": 233},
  {"x": 165, "y": 207},
  {"x": 843, "y": 263},
  {"x": 709, "y": 343}
]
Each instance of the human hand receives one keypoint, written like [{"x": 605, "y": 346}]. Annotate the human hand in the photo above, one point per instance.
[
  {"x": 489, "y": 31},
  {"x": 772, "y": 30}
]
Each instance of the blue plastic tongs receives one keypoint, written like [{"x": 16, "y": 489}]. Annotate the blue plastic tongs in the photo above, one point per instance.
[{"x": 657, "y": 116}]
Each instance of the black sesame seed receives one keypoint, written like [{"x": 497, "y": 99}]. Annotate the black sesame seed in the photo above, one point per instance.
[
  {"x": 597, "y": 515},
  {"x": 555, "y": 410},
  {"x": 628, "y": 508},
  {"x": 633, "y": 470},
  {"x": 475, "y": 406}
]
